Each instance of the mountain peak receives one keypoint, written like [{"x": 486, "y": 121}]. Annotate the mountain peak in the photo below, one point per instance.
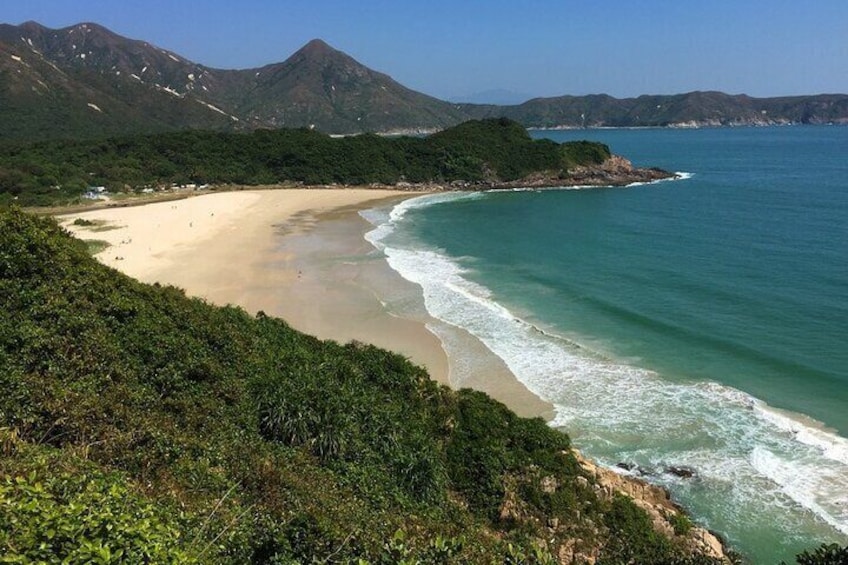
[
  {"x": 316, "y": 49},
  {"x": 31, "y": 25},
  {"x": 317, "y": 46}
]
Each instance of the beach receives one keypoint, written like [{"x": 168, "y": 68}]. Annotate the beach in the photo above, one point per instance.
[{"x": 298, "y": 254}]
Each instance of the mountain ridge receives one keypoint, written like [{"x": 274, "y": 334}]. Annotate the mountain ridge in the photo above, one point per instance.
[{"x": 86, "y": 81}]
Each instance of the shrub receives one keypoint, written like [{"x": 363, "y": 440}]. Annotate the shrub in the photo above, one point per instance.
[
  {"x": 89, "y": 518},
  {"x": 825, "y": 554}
]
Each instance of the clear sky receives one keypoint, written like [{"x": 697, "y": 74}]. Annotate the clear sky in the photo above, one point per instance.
[{"x": 451, "y": 48}]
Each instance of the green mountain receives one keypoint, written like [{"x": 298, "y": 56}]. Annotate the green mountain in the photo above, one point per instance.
[
  {"x": 86, "y": 81},
  {"x": 693, "y": 109},
  {"x": 140, "y": 426},
  {"x": 324, "y": 88}
]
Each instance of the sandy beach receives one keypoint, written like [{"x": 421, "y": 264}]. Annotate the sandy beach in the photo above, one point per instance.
[{"x": 298, "y": 254}]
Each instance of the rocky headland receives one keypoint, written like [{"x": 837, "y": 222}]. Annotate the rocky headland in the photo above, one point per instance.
[{"x": 616, "y": 171}]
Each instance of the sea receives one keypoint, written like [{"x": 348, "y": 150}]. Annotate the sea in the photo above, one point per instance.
[{"x": 693, "y": 332}]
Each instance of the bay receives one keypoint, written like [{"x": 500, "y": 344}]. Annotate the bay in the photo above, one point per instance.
[{"x": 700, "y": 323}]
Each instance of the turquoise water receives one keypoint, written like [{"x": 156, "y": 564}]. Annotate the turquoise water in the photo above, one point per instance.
[{"x": 698, "y": 323}]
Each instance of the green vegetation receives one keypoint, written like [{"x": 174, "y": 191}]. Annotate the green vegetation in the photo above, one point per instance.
[
  {"x": 825, "y": 554},
  {"x": 55, "y": 172},
  {"x": 95, "y": 246},
  {"x": 138, "y": 425},
  {"x": 681, "y": 524},
  {"x": 84, "y": 518}
]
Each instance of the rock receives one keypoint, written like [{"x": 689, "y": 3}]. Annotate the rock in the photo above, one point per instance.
[
  {"x": 682, "y": 471},
  {"x": 632, "y": 467},
  {"x": 549, "y": 485},
  {"x": 654, "y": 500},
  {"x": 707, "y": 542}
]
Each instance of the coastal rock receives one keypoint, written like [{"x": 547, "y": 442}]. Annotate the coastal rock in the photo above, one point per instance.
[
  {"x": 626, "y": 466},
  {"x": 681, "y": 471},
  {"x": 657, "y": 503}
]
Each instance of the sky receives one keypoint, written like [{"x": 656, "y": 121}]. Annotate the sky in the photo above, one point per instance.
[{"x": 454, "y": 48}]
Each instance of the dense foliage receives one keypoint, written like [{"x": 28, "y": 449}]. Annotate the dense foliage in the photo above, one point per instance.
[
  {"x": 138, "y": 424},
  {"x": 487, "y": 150}
]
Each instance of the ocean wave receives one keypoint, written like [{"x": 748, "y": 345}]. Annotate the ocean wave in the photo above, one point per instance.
[
  {"x": 821, "y": 489},
  {"x": 754, "y": 455},
  {"x": 386, "y": 223},
  {"x": 677, "y": 176}
]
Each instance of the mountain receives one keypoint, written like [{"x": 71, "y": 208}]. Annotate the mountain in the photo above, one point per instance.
[
  {"x": 321, "y": 86},
  {"x": 86, "y": 81},
  {"x": 692, "y": 109}
]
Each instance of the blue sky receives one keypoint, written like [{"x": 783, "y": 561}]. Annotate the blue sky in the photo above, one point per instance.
[{"x": 451, "y": 48}]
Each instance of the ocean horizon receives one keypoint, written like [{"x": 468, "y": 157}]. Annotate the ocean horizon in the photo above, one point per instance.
[{"x": 691, "y": 332}]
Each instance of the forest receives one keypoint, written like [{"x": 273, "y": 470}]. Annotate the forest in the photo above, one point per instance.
[{"x": 493, "y": 150}]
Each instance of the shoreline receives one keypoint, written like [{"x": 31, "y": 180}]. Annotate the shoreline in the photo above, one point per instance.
[
  {"x": 299, "y": 255},
  {"x": 616, "y": 171}
]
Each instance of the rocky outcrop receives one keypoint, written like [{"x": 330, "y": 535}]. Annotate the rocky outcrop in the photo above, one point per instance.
[
  {"x": 580, "y": 536},
  {"x": 615, "y": 171},
  {"x": 667, "y": 517}
]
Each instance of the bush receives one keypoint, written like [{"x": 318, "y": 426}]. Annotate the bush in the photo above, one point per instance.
[
  {"x": 89, "y": 518},
  {"x": 825, "y": 554}
]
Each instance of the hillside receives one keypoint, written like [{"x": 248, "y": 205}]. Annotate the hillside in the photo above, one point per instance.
[
  {"x": 474, "y": 155},
  {"x": 139, "y": 425},
  {"x": 86, "y": 81}
]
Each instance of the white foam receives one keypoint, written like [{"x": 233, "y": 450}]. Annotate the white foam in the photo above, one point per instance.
[
  {"x": 821, "y": 489},
  {"x": 386, "y": 225},
  {"x": 676, "y": 177},
  {"x": 829, "y": 444}
]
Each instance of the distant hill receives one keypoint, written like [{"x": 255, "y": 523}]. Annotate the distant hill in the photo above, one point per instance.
[
  {"x": 325, "y": 88},
  {"x": 693, "y": 109},
  {"x": 497, "y": 96},
  {"x": 86, "y": 81}
]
